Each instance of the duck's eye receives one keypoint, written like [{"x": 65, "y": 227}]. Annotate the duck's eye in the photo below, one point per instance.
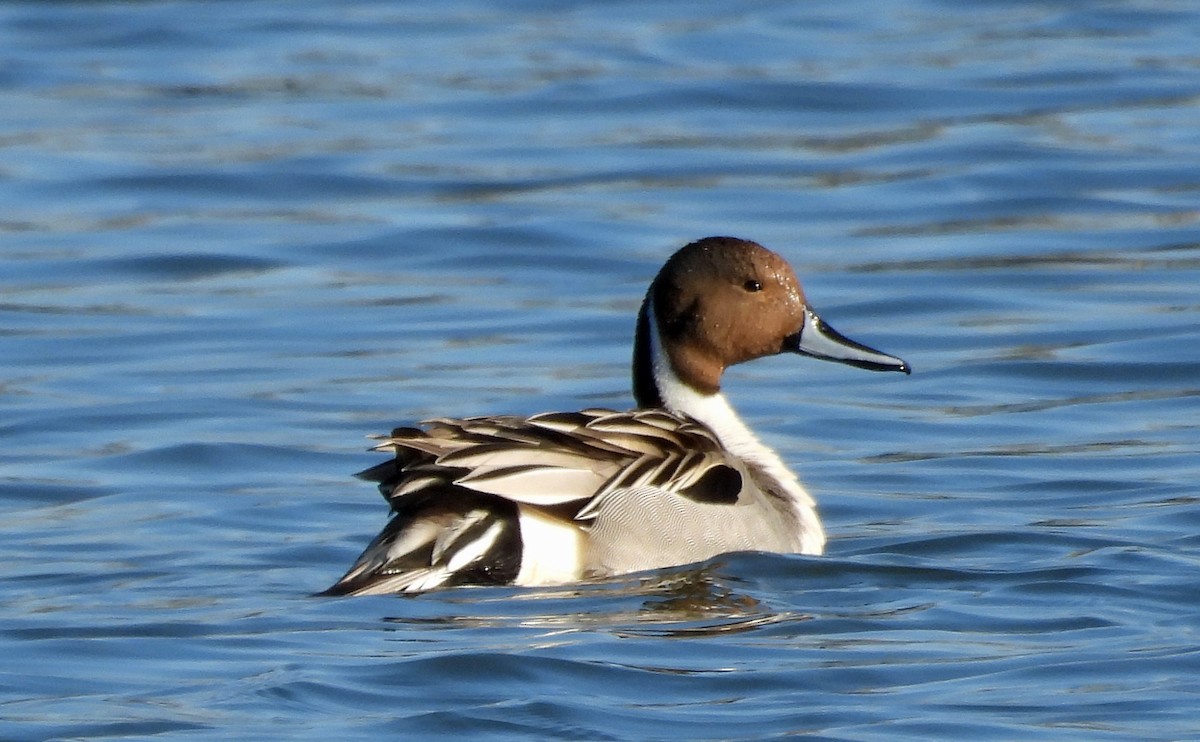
[{"x": 752, "y": 286}]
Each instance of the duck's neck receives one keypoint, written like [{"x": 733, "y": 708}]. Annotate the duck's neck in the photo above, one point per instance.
[{"x": 656, "y": 384}]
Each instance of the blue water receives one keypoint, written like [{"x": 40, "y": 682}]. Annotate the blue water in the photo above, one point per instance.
[{"x": 237, "y": 238}]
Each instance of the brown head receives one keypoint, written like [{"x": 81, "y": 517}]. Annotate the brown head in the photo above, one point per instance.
[{"x": 720, "y": 301}]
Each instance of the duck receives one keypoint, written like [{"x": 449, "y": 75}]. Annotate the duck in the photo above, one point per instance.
[{"x": 565, "y": 497}]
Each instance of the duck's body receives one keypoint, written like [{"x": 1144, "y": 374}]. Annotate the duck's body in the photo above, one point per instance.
[{"x": 560, "y": 497}]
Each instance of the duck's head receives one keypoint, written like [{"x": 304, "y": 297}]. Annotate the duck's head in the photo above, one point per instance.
[{"x": 721, "y": 301}]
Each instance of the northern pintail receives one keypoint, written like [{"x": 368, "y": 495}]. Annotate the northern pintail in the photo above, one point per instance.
[{"x": 559, "y": 497}]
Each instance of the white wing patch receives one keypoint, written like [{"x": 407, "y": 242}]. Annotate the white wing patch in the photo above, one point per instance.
[{"x": 552, "y": 549}]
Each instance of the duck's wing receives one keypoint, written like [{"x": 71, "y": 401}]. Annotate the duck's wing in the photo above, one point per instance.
[
  {"x": 553, "y": 460},
  {"x": 461, "y": 488}
]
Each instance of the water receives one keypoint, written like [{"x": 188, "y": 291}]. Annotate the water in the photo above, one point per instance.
[{"x": 239, "y": 237}]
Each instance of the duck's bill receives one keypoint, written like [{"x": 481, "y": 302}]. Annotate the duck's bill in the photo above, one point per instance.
[{"x": 819, "y": 340}]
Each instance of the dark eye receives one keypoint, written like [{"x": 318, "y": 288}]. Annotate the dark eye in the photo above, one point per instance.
[{"x": 751, "y": 285}]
